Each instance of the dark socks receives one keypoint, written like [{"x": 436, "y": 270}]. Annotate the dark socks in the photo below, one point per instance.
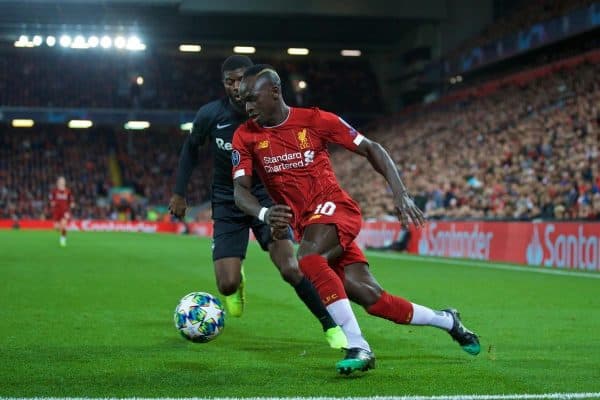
[{"x": 307, "y": 293}]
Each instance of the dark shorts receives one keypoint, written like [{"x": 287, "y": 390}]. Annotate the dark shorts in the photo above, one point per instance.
[{"x": 231, "y": 234}]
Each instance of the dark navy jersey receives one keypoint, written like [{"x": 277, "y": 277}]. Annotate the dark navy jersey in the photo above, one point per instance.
[{"x": 216, "y": 122}]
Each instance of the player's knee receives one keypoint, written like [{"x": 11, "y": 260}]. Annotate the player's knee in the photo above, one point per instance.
[
  {"x": 227, "y": 287},
  {"x": 307, "y": 249},
  {"x": 364, "y": 294},
  {"x": 291, "y": 274},
  {"x": 288, "y": 268},
  {"x": 372, "y": 296}
]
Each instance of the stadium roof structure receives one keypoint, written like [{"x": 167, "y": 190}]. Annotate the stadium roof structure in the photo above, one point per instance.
[{"x": 316, "y": 23}]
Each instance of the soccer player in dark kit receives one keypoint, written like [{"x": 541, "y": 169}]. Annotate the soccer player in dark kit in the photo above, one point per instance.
[
  {"x": 215, "y": 122},
  {"x": 287, "y": 148}
]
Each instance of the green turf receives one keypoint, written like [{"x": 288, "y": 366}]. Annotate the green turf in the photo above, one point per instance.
[{"x": 95, "y": 319}]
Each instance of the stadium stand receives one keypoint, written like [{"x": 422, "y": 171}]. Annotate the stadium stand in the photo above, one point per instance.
[
  {"x": 523, "y": 16},
  {"x": 32, "y": 159},
  {"x": 517, "y": 148},
  {"x": 148, "y": 163},
  {"x": 524, "y": 147},
  {"x": 36, "y": 79},
  {"x": 513, "y": 145}
]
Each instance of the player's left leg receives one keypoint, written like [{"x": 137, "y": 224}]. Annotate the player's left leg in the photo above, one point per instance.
[
  {"x": 282, "y": 254},
  {"x": 230, "y": 240},
  {"x": 63, "y": 231},
  {"x": 230, "y": 279},
  {"x": 363, "y": 288},
  {"x": 319, "y": 246}
]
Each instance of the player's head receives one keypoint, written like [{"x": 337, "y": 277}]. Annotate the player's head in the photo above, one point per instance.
[
  {"x": 232, "y": 71},
  {"x": 61, "y": 183},
  {"x": 261, "y": 91}
]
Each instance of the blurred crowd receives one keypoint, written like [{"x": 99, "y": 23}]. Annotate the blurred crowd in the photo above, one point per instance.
[
  {"x": 333, "y": 85},
  {"x": 529, "y": 150},
  {"x": 36, "y": 78},
  {"x": 526, "y": 151},
  {"x": 148, "y": 162},
  {"x": 32, "y": 159}
]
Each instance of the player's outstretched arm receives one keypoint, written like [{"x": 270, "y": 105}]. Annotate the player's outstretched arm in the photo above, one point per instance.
[
  {"x": 383, "y": 163},
  {"x": 277, "y": 216},
  {"x": 188, "y": 160}
]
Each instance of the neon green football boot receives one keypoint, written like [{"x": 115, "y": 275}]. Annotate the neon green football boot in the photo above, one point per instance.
[
  {"x": 235, "y": 302},
  {"x": 336, "y": 338}
]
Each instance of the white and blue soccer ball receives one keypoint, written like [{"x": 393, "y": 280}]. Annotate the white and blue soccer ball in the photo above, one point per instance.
[{"x": 199, "y": 317}]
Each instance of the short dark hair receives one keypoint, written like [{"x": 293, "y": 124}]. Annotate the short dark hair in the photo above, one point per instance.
[
  {"x": 235, "y": 62},
  {"x": 264, "y": 70}
]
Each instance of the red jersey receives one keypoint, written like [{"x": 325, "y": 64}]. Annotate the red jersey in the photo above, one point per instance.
[
  {"x": 60, "y": 200},
  {"x": 293, "y": 162}
]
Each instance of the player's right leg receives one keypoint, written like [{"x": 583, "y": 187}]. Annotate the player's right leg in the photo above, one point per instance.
[
  {"x": 363, "y": 288},
  {"x": 284, "y": 258},
  {"x": 320, "y": 245},
  {"x": 230, "y": 241}
]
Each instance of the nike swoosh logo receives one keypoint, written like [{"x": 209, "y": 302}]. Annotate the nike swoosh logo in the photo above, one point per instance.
[{"x": 219, "y": 126}]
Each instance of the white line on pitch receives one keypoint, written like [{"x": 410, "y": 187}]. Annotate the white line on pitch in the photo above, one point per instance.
[
  {"x": 539, "y": 396},
  {"x": 484, "y": 264}
]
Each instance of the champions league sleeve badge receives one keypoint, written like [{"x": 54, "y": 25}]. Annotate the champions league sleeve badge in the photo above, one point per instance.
[{"x": 235, "y": 158}]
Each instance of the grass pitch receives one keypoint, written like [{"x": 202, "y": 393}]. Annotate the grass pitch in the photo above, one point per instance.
[{"x": 95, "y": 319}]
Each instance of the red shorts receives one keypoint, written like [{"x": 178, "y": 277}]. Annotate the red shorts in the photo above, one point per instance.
[
  {"x": 59, "y": 215},
  {"x": 345, "y": 215},
  {"x": 339, "y": 210}
]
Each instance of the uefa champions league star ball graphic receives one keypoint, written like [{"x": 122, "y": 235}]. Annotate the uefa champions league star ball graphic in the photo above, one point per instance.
[{"x": 199, "y": 317}]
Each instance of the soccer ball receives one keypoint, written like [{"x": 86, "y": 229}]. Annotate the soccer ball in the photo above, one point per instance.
[{"x": 199, "y": 317}]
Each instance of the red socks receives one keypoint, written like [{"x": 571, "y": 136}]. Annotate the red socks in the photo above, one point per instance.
[
  {"x": 324, "y": 279},
  {"x": 331, "y": 288},
  {"x": 393, "y": 308}
]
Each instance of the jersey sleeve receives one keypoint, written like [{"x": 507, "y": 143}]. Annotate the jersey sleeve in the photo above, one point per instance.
[
  {"x": 334, "y": 129},
  {"x": 201, "y": 127},
  {"x": 241, "y": 156}
]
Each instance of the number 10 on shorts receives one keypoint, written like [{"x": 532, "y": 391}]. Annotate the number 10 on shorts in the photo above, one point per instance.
[{"x": 327, "y": 208}]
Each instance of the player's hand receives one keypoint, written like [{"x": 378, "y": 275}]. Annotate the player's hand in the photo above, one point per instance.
[
  {"x": 408, "y": 211},
  {"x": 280, "y": 233},
  {"x": 177, "y": 206},
  {"x": 278, "y": 216}
]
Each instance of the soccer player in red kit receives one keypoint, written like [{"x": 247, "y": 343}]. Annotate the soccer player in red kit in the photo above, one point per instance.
[
  {"x": 287, "y": 147},
  {"x": 61, "y": 202}
]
